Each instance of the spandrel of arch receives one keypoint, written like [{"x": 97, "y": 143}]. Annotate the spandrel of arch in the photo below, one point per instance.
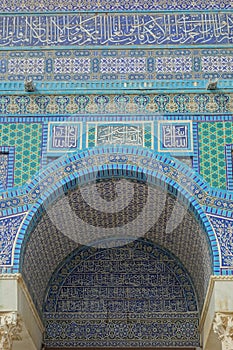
[
  {"x": 133, "y": 293},
  {"x": 179, "y": 190}
]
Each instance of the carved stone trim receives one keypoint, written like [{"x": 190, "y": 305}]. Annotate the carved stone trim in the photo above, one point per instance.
[
  {"x": 10, "y": 329},
  {"x": 18, "y": 277},
  {"x": 223, "y": 327},
  {"x": 212, "y": 282}
]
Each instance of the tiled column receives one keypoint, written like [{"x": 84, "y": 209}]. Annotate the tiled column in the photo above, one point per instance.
[
  {"x": 223, "y": 327},
  {"x": 10, "y": 329}
]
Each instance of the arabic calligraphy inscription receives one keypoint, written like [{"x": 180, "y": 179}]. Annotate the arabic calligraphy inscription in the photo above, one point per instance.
[
  {"x": 116, "y": 29},
  {"x": 63, "y": 137},
  {"x": 175, "y": 136}
]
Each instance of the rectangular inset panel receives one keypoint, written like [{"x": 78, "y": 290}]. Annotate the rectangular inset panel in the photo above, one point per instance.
[
  {"x": 115, "y": 133},
  {"x": 64, "y": 137},
  {"x": 175, "y": 137}
]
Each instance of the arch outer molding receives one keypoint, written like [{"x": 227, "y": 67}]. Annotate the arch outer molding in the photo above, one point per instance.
[{"x": 129, "y": 162}]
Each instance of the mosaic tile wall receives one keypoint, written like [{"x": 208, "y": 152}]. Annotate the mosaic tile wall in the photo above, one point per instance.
[
  {"x": 144, "y": 64},
  {"x": 34, "y": 257},
  {"x": 133, "y": 295}
]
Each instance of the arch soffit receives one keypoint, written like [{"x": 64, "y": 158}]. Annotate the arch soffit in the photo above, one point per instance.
[
  {"x": 133, "y": 163},
  {"x": 130, "y": 162}
]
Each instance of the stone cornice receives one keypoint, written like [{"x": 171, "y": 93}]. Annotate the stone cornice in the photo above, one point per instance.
[
  {"x": 213, "y": 280},
  {"x": 18, "y": 277}
]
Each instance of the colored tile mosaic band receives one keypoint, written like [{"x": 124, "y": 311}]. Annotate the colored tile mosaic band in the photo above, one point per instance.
[
  {"x": 212, "y": 140},
  {"x": 124, "y": 29},
  {"x": 109, "y": 5},
  {"x": 112, "y": 65},
  {"x": 160, "y": 104}
]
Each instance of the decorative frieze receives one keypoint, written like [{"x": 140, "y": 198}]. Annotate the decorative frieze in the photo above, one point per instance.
[
  {"x": 114, "y": 65},
  {"x": 149, "y": 104},
  {"x": 109, "y": 5},
  {"x": 107, "y": 29}
]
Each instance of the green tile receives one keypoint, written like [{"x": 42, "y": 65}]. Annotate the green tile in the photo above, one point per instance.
[
  {"x": 212, "y": 140},
  {"x": 21, "y": 136}
]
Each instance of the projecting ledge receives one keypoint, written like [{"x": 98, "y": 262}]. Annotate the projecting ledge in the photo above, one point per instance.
[
  {"x": 20, "y": 325},
  {"x": 216, "y": 325}
]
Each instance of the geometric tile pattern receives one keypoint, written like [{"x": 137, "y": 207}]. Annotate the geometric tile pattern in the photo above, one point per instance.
[
  {"x": 123, "y": 296},
  {"x": 213, "y": 137},
  {"x": 8, "y": 231},
  {"x": 174, "y": 64},
  {"x": 134, "y": 104},
  {"x": 108, "y": 5},
  {"x": 26, "y": 138},
  {"x": 22, "y": 66},
  {"x": 72, "y": 66},
  {"x": 217, "y": 63},
  {"x": 224, "y": 231},
  {"x": 89, "y": 29},
  {"x": 104, "y": 209},
  {"x": 114, "y": 65},
  {"x": 122, "y": 65}
]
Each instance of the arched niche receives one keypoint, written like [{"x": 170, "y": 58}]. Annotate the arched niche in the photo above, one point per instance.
[
  {"x": 164, "y": 208},
  {"x": 121, "y": 293}
]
